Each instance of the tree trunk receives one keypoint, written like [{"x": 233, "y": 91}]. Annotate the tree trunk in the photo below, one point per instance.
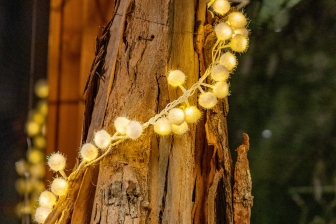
[{"x": 175, "y": 179}]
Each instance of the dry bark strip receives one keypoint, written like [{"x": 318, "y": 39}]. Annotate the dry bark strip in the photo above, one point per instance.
[{"x": 242, "y": 190}]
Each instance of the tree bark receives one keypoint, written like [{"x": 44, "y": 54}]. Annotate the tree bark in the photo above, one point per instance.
[{"x": 175, "y": 179}]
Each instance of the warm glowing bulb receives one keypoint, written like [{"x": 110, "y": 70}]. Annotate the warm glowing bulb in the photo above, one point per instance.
[
  {"x": 42, "y": 107},
  {"x": 192, "y": 114},
  {"x": 239, "y": 43},
  {"x": 223, "y": 31},
  {"x": 102, "y": 139},
  {"x": 163, "y": 126},
  {"x": 37, "y": 170},
  {"x": 37, "y": 117},
  {"x": 39, "y": 141},
  {"x": 176, "y": 78},
  {"x": 42, "y": 214},
  {"x": 35, "y": 156},
  {"x": 176, "y": 116},
  {"x": 207, "y": 100},
  {"x": 241, "y": 31},
  {"x": 220, "y": 73},
  {"x": 89, "y": 152},
  {"x": 221, "y": 89},
  {"x": 41, "y": 88},
  {"x": 229, "y": 60},
  {"x": 21, "y": 167},
  {"x": 120, "y": 124},
  {"x": 134, "y": 130},
  {"x": 47, "y": 199},
  {"x": 237, "y": 20},
  {"x": 180, "y": 129},
  {"x": 59, "y": 186},
  {"x": 221, "y": 6},
  {"x": 32, "y": 128},
  {"x": 57, "y": 162}
]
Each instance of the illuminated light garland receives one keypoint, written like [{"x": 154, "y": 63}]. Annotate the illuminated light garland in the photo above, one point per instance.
[
  {"x": 47, "y": 199},
  {"x": 42, "y": 214},
  {"x": 174, "y": 118}
]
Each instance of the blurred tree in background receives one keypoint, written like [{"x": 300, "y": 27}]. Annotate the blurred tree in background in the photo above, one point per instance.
[{"x": 283, "y": 96}]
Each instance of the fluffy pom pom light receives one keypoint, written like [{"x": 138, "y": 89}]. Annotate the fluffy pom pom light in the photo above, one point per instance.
[
  {"x": 35, "y": 156},
  {"x": 59, "y": 186},
  {"x": 221, "y": 6},
  {"x": 163, "y": 126},
  {"x": 32, "y": 128},
  {"x": 220, "y": 73},
  {"x": 229, "y": 60},
  {"x": 89, "y": 152},
  {"x": 41, "y": 214},
  {"x": 56, "y": 162},
  {"x": 239, "y": 43},
  {"x": 241, "y": 31},
  {"x": 180, "y": 129},
  {"x": 221, "y": 89},
  {"x": 223, "y": 31},
  {"x": 176, "y": 78},
  {"x": 47, "y": 199},
  {"x": 207, "y": 100},
  {"x": 237, "y": 20},
  {"x": 41, "y": 88},
  {"x": 192, "y": 114},
  {"x": 176, "y": 116},
  {"x": 120, "y": 124},
  {"x": 134, "y": 130},
  {"x": 102, "y": 139}
]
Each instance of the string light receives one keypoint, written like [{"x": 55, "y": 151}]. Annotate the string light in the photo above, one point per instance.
[
  {"x": 223, "y": 31},
  {"x": 134, "y": 130},
  {"x": 239, "y": 43},
  {"x": 180, "y": 129},
  {"x": 207, "y": 100},
  {"x": 120, "y": 124},
  {"x": 47, "y": 199},
  {"x": 192, "y": 114},
  {"x": 237, "y": 20},
  {"x": 176, "y": 78},
  {"x": 89, "y": 152},
  {"x": 221, "y": 6},
  {"x": 59, "y": 186},
  {"x": 42, "y": 214},
  {"x": 163, "y": 126},
  {"x": 229, "y": 60},
  {"x": 220, "y": 73},
  {"x": 221, "y": 89},
  {"x": 102, "y": 139},
  {"x": 176, "y": 116},
  {"x": 35, "y": 156},
  {"x": 56, "y": 162}
]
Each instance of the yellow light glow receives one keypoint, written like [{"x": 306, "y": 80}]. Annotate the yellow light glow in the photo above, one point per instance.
[
  {"x": 47, "y": 199},
  {"x": 219, "y": 73},
  {"x": 221, "y": 6},
  {"x": 102, "y": 139},
  {"x": 207, "y": 100},
  {"x": 134, "y": 130},
  {"x": 59, "y": 186},
  {"x": 221, "y": 89},
  {"x": 176, "y": 116},
  {"x": 32, "y": 128},
  {"x": 42, "y": 214},
  {"x": 239, "y": 43},
  {"x": 35, "y": 156},
  {"x": 57, "y": 162},
  {"x": 180, "y": 129},
  {"x": 41, "y": 88},
  {"x": 192, "y": 114},
  {"x": 39, "y": 141},
  {"x": 120, "y": 124},
  {"x": 162, "y": 126},
  {"x": 176, "y": 78},
  {"x": 89, "y": 152},
  {"x": 223, "y": 31},
  {"x": 237, "y": 20},
  {"x": 229, "y": 60}
]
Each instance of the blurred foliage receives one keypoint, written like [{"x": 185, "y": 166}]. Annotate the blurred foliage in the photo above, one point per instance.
[{"x": 284, "y": 97}]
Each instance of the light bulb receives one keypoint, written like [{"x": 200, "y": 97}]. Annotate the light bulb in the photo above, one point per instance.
[
  {"x": 192, "y": 114},
  {"x": 223, "y": 31},
  {"x": 41, "y": 88},
  {"x": 120, "y": 124},
  {"x": 89, "y": 152},
  {"x": 207, "y": 100},
  {"x": 162, "y": 126},
  {"x": 229, "y": 60},
  {"x": 221, "y": 6},
  {"x": 21, "y": 167},
  {"x": 59, "y": 186},
  {"x": 241, "y": 31},
  {"x": 176, "y": 116},
  {"x": 102, "y": 139},
  {"x": 180, "y": 129},
  {"x": 221, "y": 89},
  {"x": 37, "y": 170},
  {"x": 42, "y": 107},
  {"x": 219, "y": 73},
  {"x": 39, "y": 141},
  {"x": 237, "y": 20},
  {"x": 176, "y": 78},
  {"x": 57, "y": 162},
  {"x": 32, "y": 128},
  {"x": 42, "y": 213},
  {"x": 134, "y": 130},
  {"x": 47, "y": 199},
  {"x": 35, "y": 156},
  {"x": 239, "y": 43}
]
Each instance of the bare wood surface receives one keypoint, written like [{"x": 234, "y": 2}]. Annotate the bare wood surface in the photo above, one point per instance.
[{"x": 242, "y": 191}]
